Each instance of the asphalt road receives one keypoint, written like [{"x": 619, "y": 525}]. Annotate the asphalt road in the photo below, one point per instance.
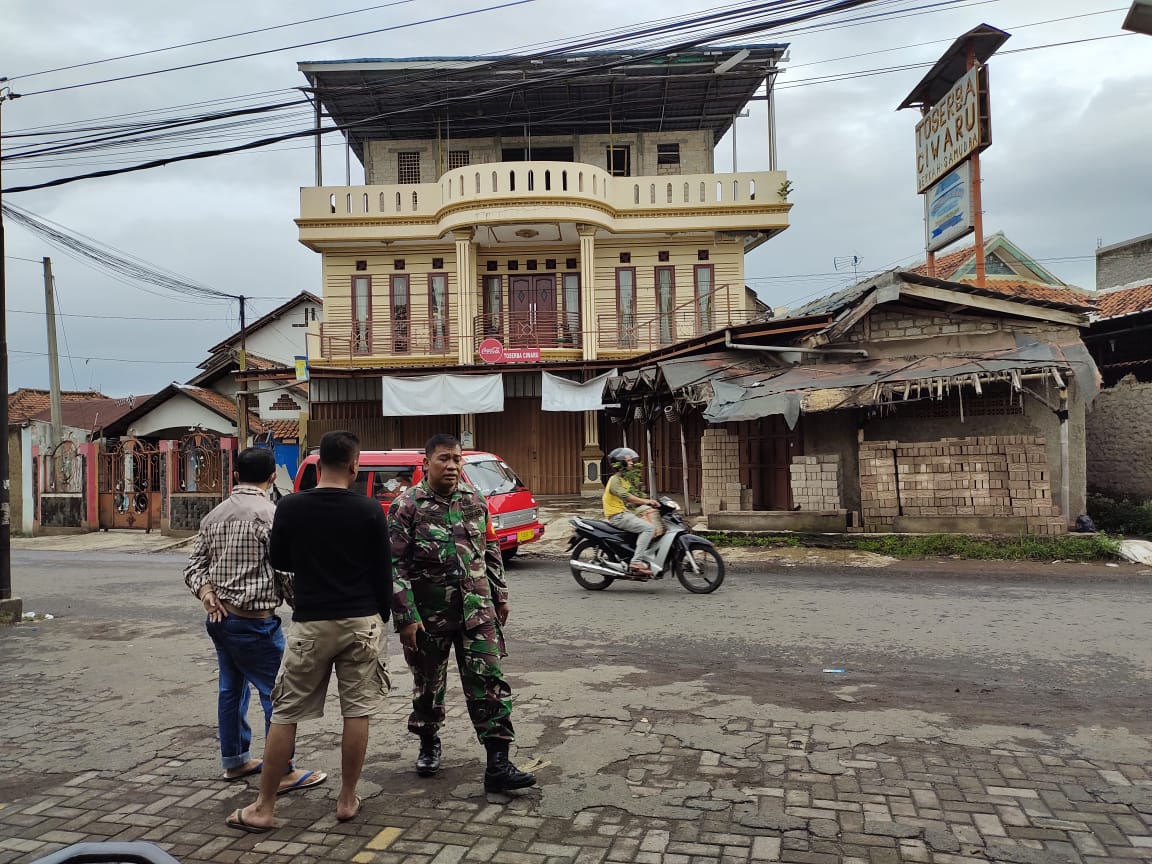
[{"x": 1059, "y": 646}]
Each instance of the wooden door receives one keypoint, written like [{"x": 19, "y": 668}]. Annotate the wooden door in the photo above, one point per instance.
[
  {"x": 544, "y": 317},
  {"x": 520, "y": 311},
  {"x": 532, "y": 311},
  {"x": 767, "y": 446}
]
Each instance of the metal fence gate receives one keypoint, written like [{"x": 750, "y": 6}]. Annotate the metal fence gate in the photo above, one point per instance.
[{"x": 129, "y": 486}]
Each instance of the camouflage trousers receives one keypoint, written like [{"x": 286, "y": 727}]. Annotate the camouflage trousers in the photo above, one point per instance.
[{"x": 488, "y": 696}]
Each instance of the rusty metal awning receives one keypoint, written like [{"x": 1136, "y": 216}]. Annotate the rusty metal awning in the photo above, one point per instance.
[{"x": 735, "y": 386}]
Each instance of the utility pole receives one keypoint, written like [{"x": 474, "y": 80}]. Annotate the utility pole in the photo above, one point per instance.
[
  {"x": 53, "y": 354},
  {"x": 242, "y": 393},
  {"x": 11, "y": 608}
]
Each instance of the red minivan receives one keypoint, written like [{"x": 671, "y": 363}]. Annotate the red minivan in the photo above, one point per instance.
[{"x": 384, "y": 474}]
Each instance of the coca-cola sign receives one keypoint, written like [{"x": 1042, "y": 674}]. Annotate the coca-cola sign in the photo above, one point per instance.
[{"x": 492, "y": 351}]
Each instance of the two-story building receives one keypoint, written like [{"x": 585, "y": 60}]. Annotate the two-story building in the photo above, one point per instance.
[{"x": 519, "y": 216}]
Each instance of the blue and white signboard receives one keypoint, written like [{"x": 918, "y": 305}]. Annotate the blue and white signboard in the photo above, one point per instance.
[{"x": 948, "y": 208}]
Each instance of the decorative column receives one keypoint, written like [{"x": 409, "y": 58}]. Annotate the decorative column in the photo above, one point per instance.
[
  {"x": 589, "y": 324},
  {"x": 591, "y": 457},
  {"x": 466, "y": 294},
  {"x": 467, "y": 431}
]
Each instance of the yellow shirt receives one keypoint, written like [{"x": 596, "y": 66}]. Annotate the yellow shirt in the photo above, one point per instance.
[{"x": 614, "y": 494}]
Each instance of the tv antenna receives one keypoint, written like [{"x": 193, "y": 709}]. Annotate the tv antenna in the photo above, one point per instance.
[{"x": 843, "y": 262}]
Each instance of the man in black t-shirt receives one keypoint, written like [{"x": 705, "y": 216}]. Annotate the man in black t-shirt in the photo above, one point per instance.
[{"x": 335, "y": 543}]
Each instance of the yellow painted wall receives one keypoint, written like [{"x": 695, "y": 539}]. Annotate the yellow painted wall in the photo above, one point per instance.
[
  {"x": 339, "y": 268},
  {"x": 725, "y": 258}
]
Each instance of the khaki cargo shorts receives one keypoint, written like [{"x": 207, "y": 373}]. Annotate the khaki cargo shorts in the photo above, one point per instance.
[{"x": 355, "y": 647}]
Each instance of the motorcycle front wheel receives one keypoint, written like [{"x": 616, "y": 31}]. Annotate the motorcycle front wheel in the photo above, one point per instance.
[
  {"x": 589, "y": 553},
  {"x": 710, "y": 565}
]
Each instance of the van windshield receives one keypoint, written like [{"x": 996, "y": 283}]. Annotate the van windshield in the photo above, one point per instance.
[{"x": 491, "y": 477}]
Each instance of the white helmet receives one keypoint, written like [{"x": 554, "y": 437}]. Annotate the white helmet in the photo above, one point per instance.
[{"x": 620, "y": 455}]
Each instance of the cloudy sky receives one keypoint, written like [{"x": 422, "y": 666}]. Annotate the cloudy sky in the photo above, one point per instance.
[{"x": 1068, "y": 167}]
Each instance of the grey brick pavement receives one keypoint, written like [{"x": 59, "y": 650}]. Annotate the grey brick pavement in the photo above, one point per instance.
[{"x": 685, "y": 791}]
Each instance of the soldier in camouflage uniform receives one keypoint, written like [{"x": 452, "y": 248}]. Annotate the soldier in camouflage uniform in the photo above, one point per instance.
[{"x": 449, "y": 591}]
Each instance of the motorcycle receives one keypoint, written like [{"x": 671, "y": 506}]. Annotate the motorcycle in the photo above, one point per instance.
[{"x": 600, "y": 553}]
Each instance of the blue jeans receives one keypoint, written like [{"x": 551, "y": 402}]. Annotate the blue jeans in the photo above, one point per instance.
[{"x": 249, "y": 652}]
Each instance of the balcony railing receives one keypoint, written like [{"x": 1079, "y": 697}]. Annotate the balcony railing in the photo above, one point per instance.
[
  {"x": 555, "y": 182},
  {"x": 351, "y": 340}
]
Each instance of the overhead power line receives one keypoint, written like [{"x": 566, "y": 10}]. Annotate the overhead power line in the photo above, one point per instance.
[
  {"x": 149, "y": 360},
  {"x": 376, "y": 31},
  {"x": 212, "y": 39},
  {"x": 803, "y": 10},
  {"x": 109, "y": 259}
]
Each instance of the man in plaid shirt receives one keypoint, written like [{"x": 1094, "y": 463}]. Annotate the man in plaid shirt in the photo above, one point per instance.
[{"x": 229, "y": 572}]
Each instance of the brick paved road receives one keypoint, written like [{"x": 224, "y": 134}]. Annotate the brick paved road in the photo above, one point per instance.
[{"x": 107, "y": 732}]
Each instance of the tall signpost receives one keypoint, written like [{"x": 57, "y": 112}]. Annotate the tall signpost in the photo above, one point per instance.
[{"x": 955, "y": 126}]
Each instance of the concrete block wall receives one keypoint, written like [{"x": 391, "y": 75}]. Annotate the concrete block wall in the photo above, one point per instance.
[
  {"x": 720, "y": 475},
  {"x": 1003, "y": 476},
  {"x": 816, "y": 482},
  {"x": 881, "y": 326},
  {"x": 1119, "y": 447},
  {"x": 1124, "y": 262}
]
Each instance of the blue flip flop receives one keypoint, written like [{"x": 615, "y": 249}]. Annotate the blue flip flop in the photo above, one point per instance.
[{"x": 307, "y": 780}]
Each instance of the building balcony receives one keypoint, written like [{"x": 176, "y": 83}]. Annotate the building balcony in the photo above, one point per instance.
[
  {"x": 532, "y": 191},
  {"x": 527, "y": 338}
]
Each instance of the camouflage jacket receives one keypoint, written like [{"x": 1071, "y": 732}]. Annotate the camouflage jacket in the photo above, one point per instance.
[{"x": 447, "y": 569}]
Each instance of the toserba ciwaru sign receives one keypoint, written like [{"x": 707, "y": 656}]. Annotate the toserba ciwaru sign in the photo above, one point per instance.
[{"x": 954, "y": 128}]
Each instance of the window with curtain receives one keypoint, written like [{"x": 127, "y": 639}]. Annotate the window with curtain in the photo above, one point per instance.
[
  {"x": 571, "y": 296},
  {"x": 401, "y": 314},
  {"x": 626, "y": 306},
  {"x": 493, "y": 305},
  {"x": 438, "y": 310},
  {"x": 666, "y": 303},
  {"x": 361, "y": 314},
  {"x": 705, "y": 301}
]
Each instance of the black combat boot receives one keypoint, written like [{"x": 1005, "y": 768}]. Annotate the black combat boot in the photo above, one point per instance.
[
  {"x": 501, "y": 775},
  {"x": 428, "y": 762}
]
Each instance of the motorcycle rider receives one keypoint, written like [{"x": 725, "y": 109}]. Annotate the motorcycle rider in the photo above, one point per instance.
[{"x": 619, "y": 507}]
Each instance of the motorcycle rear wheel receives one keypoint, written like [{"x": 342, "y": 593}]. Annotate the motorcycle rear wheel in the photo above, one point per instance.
[
  {"x": 711, "y": 567},
  {"x": 589, "y": 553}
]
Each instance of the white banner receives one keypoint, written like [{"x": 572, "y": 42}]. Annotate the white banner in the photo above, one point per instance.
[
  {"x": 561, "y": 394},
  {"x": 425, "y": 395}
]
